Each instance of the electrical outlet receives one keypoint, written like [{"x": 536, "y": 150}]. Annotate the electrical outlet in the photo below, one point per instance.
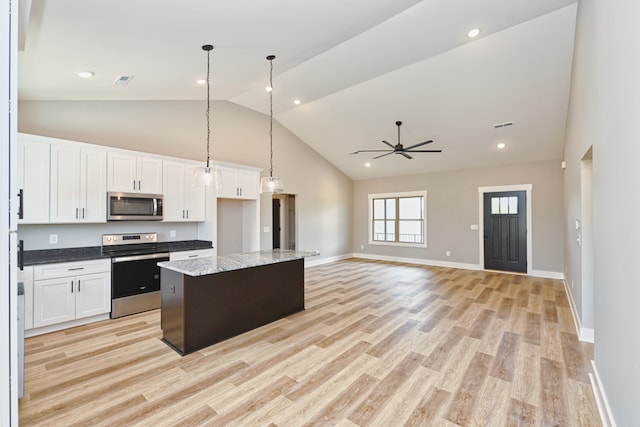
[
  {"x": 265, "y": 229},
  {"x": 448, "y": 253},
  {"x": 53, "y": 239},
  {"x": 172, "y": 233}
]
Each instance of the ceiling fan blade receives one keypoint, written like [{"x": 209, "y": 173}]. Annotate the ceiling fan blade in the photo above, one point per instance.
[
  {"x": 370, "y": 151},
  {"x": 382, "y": 155},
  {"x": 425, "y": 151},
  {"x": 402, "y": 153},
  {"x": 420, "y": 144},
  {"x": 389, "y": 144}
]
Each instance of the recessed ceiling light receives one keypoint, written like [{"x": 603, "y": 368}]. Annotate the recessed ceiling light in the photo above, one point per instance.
[
  {"x": 473, "y": 33},
  {"x": 268, "y": 88},
  {"x": 368, "y": 165},
  {"x": 297, "y": 101},
  {"x": 501, "y": 145},
  {"x": 85, "y": 74},
  {"x": 201, "y": 82}
]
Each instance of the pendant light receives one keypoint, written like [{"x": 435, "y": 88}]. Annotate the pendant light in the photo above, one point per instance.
[
  {"x": 270, "y": 184},
  {"x": 209, "y": 175}
]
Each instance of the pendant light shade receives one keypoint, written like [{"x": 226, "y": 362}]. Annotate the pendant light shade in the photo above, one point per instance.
[
  {"x": 271, "y": 184},
  {"x": 208, "y": 175}
]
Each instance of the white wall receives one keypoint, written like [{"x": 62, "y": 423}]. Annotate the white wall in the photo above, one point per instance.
[
  {"x": 240, "y": 135},
  {"x": 604, "y": 112}
]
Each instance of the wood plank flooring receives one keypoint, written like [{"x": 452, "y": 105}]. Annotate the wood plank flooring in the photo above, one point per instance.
[{"x": 380, "y": 344}]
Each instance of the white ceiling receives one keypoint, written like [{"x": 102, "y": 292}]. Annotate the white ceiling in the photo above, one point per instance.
[{"x": 357, "y": 65}]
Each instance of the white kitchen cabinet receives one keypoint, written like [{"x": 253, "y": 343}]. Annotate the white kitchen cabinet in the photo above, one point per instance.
[
  {"x": 194, "y": 254},
  {"x": 184, "y": 199},
  {"x": 130, "y": 173},
  {"x": 33, "y": 178},
  {"x": 78, "y": 183},
  {"x": 26, "y": 277},
  {"x": 68, "y": 291},
  {"x": 239, "y": 183}
]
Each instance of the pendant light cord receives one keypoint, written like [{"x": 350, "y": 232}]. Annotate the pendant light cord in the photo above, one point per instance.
[
  {"x": 208, "y": 48},
  {"x": 271, "y": 58}
]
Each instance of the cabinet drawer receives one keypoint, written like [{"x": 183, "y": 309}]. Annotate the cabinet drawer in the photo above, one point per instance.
[
  {"x": 198, "y": 253},
  {"x": 66, "y": 269}
]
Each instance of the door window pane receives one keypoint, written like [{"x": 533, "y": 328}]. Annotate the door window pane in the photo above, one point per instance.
[
  {"x": 495, "y": 205},
  {"x": 513, "y": 205}
]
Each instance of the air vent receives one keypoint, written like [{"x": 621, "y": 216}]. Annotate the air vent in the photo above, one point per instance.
[
  {"x": 123, "y": 80},
  {"x": 503, "y": 125}
]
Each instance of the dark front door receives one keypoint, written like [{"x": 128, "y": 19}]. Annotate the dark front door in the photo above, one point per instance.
[
  {"x": 505, "y": 231},
  {"x": 276, "y": 223}
]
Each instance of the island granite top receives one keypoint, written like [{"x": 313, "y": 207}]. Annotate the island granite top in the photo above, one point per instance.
[{"x": 219, "y": 264}]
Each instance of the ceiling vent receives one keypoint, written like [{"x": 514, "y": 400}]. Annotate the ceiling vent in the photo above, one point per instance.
[
  {"x": 503, "y": 125},
  {"x": 122, "y": 80}
]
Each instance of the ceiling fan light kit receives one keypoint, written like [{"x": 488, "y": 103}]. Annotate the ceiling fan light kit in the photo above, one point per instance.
[{"x": 399, "y": 148}]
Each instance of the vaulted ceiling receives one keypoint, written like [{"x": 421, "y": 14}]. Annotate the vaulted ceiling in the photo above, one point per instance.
[{"x": 357, "y": 66}]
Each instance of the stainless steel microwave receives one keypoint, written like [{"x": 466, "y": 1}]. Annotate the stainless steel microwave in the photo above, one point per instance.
[{"x": 134, "y": 207}]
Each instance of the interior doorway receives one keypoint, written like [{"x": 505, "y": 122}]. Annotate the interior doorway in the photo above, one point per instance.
[
  {"x": 284, "y": 221},
  {"x": 584, "y": 237}
]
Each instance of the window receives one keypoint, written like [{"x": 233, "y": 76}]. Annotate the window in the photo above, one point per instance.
[{"x": 398, "y": 218}]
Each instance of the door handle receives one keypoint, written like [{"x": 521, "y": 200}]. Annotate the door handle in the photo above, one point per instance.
[{"x": 21, "y": 255}]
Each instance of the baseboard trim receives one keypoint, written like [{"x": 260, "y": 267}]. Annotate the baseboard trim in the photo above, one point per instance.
[
  {"x": 547, "y": 274},
  {"x": 584, "y": 334},
  {"x": 601, "y": 398},
  {"x": 313, "y": 262},
  {"x": 429, "y": 262}
]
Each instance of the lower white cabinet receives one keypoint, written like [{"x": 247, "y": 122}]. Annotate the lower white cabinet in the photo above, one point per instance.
[
  {"x": 68, "y": 291},
  {"x": 198, "y": 253},
  {"x": 26, "y": 277}
]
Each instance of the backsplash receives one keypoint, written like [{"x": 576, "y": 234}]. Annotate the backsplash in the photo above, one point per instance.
[{"x": 37, "y": 237}]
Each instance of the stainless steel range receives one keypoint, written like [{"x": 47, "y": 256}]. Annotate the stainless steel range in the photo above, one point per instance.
[{"x": 135, "y": 276}]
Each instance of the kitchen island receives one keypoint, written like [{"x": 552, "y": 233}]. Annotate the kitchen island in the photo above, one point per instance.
[{"x": 207, "y": 300}]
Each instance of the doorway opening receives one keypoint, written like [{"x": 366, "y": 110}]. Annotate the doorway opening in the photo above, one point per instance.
[
  {"x": 584, "y": 237},
  {"x": 284, "y": 221},
  {"x": 505, "y": 228}
]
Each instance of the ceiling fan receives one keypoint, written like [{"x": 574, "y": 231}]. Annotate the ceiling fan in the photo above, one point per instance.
[{"x": 399, "y": 148}]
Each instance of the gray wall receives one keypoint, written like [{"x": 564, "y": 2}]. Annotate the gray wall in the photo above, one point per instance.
[
  {"x": 240, "y": 135},
  {"x": 604, "y": 112},
  {"x": 452, "y": 206}
]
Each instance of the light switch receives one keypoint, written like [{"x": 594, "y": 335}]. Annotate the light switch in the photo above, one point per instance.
[
  {"x": 53, "y": 239},
  {"x": 474, "y": 226},
  {"x": 265, "y": 229}
]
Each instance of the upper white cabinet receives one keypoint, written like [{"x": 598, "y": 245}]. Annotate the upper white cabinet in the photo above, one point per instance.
[
  {"x": 78, "y": 183},
  {"x": 239, "y": 183},
  {"x": 184, "y": 199},
  {"x": 134, "y": 174},
  {"x": 33, "y": 178}
]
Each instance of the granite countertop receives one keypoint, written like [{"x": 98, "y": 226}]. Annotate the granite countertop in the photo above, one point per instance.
[
  {"x": 219, "y": 264},
  {"x": 50, "y": 256}
]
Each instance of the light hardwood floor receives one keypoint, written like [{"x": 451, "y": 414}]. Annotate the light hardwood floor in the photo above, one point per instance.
[{"x": 382, "y": 344}]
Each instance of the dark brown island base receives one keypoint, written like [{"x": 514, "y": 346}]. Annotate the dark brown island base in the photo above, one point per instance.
[{"x": 207, "y": 300}]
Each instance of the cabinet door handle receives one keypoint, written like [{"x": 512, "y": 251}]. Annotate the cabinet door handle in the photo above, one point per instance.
[
  {"x": 78, "y": 285},
  {"x": 187, "y": 213},
  {"x": 193, "y": 256},
  {"x": 139, "y": 185},
  {"x": 72, "y": 286},
  {"x": 76, "y": 213},
  {"x": 82, "y": 213},
  {"x": 75, "y": 268},
  {"x": 20, "y": 205}
]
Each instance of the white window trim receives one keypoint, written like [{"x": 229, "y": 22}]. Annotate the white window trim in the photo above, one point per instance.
[{"x": 399, "y": 194}]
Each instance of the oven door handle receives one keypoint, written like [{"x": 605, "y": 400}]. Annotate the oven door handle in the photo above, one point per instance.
[{"x": 139, "y": 257}]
